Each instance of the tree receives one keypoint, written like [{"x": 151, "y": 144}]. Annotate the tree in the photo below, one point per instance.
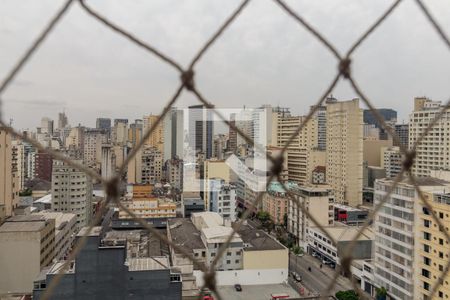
[
  {"x": 296, "y": 250},
  {"x": 347, "y": 295},
  {"x": 381, "y": 293},
  {"x": 263, "y": 216}
]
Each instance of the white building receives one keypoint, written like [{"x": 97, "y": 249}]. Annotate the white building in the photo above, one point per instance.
[
  {"x": 222, "y": 198},
  {"x": 394, "y": 234},
  {"x": 93, "y": 141},
  {"x": 72, "y": 192}
]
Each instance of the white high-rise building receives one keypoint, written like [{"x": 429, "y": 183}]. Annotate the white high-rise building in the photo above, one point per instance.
[
  {"x": 394, "y": 228},
  {"x": 222, "y": 198},
  {"x": 72, "y": 192},
  {"x": 433, "y": 151},
  {"x": 391, "y": 161},
  {"x": 344, "y": 170}
]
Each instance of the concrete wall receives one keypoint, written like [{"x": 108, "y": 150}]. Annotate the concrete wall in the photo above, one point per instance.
[
  {"x": 19, "y": 261},
  {"x": 247, "y": 277},
  {"x": 268, "y": 259}
]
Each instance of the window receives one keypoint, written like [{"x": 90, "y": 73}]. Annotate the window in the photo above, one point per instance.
[
  {"x": 426, "y": 286},
  {"x": 427, "y": 236},
  {"x": 441, "y": 215},
  {"x": 228, "y": 262},
  {"x": 441, "y": 294},
  {"x": 441, "y": 268},
  {"x": 427, "y": 261},
  {"x": 236, "y": 261},
  {"x": 426, "y": 248},
  {"x": 228, "y": 253},
  {"x": 441, "y": 254},
  {"x": 425, "y": 273}
]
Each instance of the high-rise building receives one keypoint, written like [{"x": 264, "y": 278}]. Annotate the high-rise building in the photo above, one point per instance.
[
  {"x": 402, "y": 131},
  {"x": 43, "y": 166},
  {"x": 120, "y": 132},
  {"x": 75, "y": 139},
  {"x": 27, "y": 244},
  {"x": 173, "y": 128},
  {"x": 395, "y": 230},
  {"x": 388, "y": 115},
  {"x": 103, "y": 123},
  {"x": 62, "y": 120},
  {"x": 156, "y": 138},
  {"x": 146, "y": 166},
  {"x": 201, "y": 130},
  {"x": 431, "y": 246},
  {"x": 391, "y": 161},
  {"x": 433, "y": 151},
  {"x": 318, "y": 202},
  {"x": 72, "y": 192},
  {"x": 344, "y": 171},
  {"x": 47, "y": 126},
  {"x": 9, "y": 191},
  {"x": 299, "y": 162},
  {"x": 135, "y": 132},
  {"x": 93, "y": 141}
]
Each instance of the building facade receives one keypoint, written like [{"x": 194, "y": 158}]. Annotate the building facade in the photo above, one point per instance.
[
  {"x": 72, "y": 192},
  {"x": 345, "y": 151},
  {"x": 9, "y": 192}
]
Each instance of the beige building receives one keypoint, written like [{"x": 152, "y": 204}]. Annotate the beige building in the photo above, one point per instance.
[
  {"x": 299, "y": 162},
  {"x": 146, "y": 166},
  {"x": 75, "y": 138},
  {"x": 9, "y": 183},
  {"x": 150, "y": 207},
  {"x": 433, "y": 151},
  {"x": 372, "y": 151},
  {"x": 27, "y": 244},
  {"x": 156, "y": 139},
  {"x": 214, "y": 169},
  {"x": 344, "y": 170},
  {"x": 391, "y": 161},
  {"x": 65, "y": 231},
  {"x": 318, "y": 201}
]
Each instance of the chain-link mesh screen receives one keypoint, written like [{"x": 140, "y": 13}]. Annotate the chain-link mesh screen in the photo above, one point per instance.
[{"x": 187, "y": 82}]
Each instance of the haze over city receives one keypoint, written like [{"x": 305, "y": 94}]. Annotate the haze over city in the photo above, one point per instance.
[{"x": 264, "y": 57}]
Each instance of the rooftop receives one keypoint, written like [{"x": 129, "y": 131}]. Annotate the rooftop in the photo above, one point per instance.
[
  {"x": 184, "y": 234},
  {"x": 94, "y": 232},
  {"x": 347, "y": 207},
  {"x": 218, "y": 234},
  {"x": 257, "y": 239},
  {"x": 148, "y": 263},
  {"x": 422, "y": 181},
  {"x": 61, "y": 219}
]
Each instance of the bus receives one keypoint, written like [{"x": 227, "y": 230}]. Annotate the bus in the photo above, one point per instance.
[{"x": 279, "y": 296}]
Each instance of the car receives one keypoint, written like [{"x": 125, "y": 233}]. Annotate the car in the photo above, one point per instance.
[
  {"x": 300, "y": 255},
  {"x": 314, "y": 254},
  {"x": 238, "y": 287},
  {"x": 324, "y": 261},
  {"x": 296, "y": 277}
]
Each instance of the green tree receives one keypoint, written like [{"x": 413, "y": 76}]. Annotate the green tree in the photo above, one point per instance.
[
  {"x": 263, "y": 216},
  {"x": 381, "y": 293},
  {"x": 296, "y": 250},
  {"x": 347, "y": 295}
]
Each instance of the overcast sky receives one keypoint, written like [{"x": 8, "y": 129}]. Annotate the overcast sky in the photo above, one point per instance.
[{"x": 265, "y": 57}]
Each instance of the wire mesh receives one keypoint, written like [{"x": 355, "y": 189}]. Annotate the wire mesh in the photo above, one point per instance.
[{"x": 187, "y": 82}]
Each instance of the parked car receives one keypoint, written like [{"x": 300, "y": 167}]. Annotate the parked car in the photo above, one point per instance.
[
  {"x": 238, "y": 287},
  {"x": 314, "y": 254},
  {"x": 296, "y": 277},
  {"x": 300, "y": 254}
]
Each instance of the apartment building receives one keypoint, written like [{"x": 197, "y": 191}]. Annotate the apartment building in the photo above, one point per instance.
[
  {"x": 93, "y": 141},
  {"x": 431, "y": 246},
  {"x": 392, "y": 161},
  {"x": 433, "y": 151},
  {"x": 222, "y": 197},
  {"x": 318, "y": 201},
  {"x": 345, "y": 151},
  {"x": 146, "y": 166},
  {"x": 27, "y": 244},
  {"x": 402, "y": 132},
  {"x": 156, "y": 139},
  {"x": 173, "y": 172},
  {"x": 72, "y": 192},
  {"x": 144, "y": 204},
  {"x": 275, "y": 201},
  {"x": 9, "y": 179},
  {"x": 299, "y": 163},
  {"x": 394, "y": 229}
]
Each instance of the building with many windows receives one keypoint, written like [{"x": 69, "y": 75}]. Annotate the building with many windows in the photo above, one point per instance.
[
  {"x": 345, "y": 151},
  {"x": 433, "y": 151},
  {"x": 222, "y": 197},
  {"x": 72, "y": 192},
  {"x": 394, "y": 228},
  {"x": 391, "y": 161},
  {"x": 9, "y": 192}
]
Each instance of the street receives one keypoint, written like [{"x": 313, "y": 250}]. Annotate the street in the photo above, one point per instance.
[{"x": 318, "y": 279}]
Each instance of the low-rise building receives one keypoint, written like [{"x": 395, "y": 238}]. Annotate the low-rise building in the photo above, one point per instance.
[
  {"x": 114, "y": 265},
  {"x": 191, "y": 202},
  {"x": 319, "y": 245},
  {"x": 349, "y": 215},
  {"x": 65, "y": 231},
  {"x": 151, "y": 207},
  {"x": 27, "y": 244}
]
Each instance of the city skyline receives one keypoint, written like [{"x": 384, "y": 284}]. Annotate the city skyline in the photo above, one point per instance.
[{"x": 53, "y": 82}]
